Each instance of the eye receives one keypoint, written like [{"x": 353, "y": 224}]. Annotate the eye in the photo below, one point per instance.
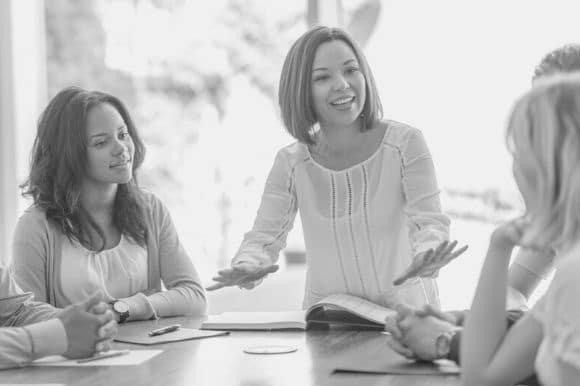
[
  {"x": 352, "y": 69},
  {"x": 320, "y": 77},
  {"x": 99, "y": 144},
  {"x": 124, "y": 135}
]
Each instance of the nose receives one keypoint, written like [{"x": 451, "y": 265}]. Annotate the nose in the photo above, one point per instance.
[
  {"x": 119, "y": 148},
  {"x": 340, "y": 83}
]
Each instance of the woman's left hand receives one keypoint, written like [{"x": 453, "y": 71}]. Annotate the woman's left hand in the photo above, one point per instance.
[{"x": 428, "y": 263}]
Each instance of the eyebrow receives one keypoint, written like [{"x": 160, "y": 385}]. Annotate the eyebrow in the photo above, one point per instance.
[
  {"x": 324, "y": 68},
  {"x": 105, "y": 134}
]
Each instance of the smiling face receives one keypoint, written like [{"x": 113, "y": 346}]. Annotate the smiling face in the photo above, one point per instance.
[
  {"x": 110, "y": 149},
  {"x": 338, "y": 85}
]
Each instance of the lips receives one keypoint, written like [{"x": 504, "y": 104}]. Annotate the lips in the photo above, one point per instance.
[
  {"x": 120, "y": 164},
  {"x": 342, "y": 101}
]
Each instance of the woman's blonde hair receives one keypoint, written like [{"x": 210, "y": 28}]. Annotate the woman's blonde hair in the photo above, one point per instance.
[{"x": 543, "y": 135}]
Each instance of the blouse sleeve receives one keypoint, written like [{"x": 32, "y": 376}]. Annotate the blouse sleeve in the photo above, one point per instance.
[
  {"x": 185, "y": 294},
  {"x": 29, "y": 254},
  {"x": 428, "y": 226},
  {"x": 275, "y": 217}
]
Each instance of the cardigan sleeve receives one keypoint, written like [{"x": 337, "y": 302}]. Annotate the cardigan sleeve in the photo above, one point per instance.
[
  {"x": 29, "y": 253},
  {"x": 185, "y": 294},
  {"x": 428, "y": 226},
  {"x": 275, "y": 217}
]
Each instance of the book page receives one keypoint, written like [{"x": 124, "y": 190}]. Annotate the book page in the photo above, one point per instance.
[{"x": 358, "y": 306}]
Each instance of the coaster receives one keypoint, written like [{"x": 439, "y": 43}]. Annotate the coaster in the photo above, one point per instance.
[{"x": 269, "y": 349}]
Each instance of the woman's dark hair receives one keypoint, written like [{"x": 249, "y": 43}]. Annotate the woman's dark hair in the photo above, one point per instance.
[
  {"x": 58, "y": 165},
  {"x": 294, "y": 92}
]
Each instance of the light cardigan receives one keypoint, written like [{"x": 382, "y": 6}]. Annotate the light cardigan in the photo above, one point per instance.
[
  {"x": 362, "y": 225},
  {"x": 29, "y": 330},
  {"x": 37, "y": 261},
  {"x": 558, "y": 311}
]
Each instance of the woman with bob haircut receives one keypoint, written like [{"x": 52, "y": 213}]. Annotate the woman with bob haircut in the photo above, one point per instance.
[
  {"x": 91, "y": 226},
  {"x": 365, "y": 187},
  {"x": 543, "y": 136}
]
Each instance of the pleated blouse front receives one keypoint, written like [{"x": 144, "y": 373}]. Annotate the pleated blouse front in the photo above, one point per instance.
[{"x": 362, "y": 225}]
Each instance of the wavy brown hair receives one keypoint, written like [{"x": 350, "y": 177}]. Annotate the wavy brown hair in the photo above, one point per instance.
[{"x": 58, "y": 165}]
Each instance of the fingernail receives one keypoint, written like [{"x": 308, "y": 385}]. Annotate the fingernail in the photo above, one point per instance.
[{"x": 99, "y": 347}]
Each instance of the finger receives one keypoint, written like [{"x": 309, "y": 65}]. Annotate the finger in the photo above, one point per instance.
[
  {"x": 91, "y": 301},
  {"x": 401, "y": 279},
  {"x": 450, "y": 248},
  {"x": 108, "y": 331},
  {"x": 403, "y": 309},
  {"x": 99, "y": 308},
  {"x": 105, "y": 317},
  {"x": 441, "y": 247},
  {"x": 222, "y": 279},
  {"x": 399, "y": 348},
  {"x": 217, "y": 286},
  {"x": 225, "y": 271},
  {"x": 392, "y": 327},
  {"x": 460, "y": 251},
  {"x": 103, "y": 345}
]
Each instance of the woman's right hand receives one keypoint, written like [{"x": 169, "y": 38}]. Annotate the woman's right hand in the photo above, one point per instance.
[{"x": 244, "y": 274}]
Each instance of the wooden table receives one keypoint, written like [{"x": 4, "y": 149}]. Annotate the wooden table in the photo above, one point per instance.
[{"x": 221, "y": 361}]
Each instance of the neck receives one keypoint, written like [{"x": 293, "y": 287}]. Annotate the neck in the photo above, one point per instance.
[
  {"x": 98, "y": 200},
  {"x": 339, "y": 138}
]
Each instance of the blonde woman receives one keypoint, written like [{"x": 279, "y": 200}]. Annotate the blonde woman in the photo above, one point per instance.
[{"x": 544, "y": 138}]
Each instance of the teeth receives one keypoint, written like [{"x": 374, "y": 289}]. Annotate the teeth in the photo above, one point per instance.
[{"x": 342, "y": 101}]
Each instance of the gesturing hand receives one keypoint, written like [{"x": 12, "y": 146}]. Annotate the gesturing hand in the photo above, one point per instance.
[
  {"x": 427, "y": 263},
  {"x": 86, "y": 331},
  {"x": 244, "y": 274}
]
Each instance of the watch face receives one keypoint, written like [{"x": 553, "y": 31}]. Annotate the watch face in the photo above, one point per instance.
[{"x": 120, "y": 307}]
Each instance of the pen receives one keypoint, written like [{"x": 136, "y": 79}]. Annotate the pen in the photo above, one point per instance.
[
  {"x": 165, "y": 330},
  {"x": 104, "y": 356}
]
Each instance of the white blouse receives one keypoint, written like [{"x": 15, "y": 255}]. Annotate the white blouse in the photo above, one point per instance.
[
  {"x": 362, "y": 225},
  {"x": 120, "y": 272},
  {"x": 558, "y": 311}
]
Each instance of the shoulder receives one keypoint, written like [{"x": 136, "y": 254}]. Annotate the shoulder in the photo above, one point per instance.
[
  {"x": 293, "y": 155},
  {"x": 398, "y": 134},
  {"x": 152, "y": 204},
  {"x": 32, "y": 219}
]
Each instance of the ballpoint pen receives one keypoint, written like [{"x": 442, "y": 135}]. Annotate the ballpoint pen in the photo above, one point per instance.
[
  {"x": 165, "y": 330},
  {"x": 105, "y": 355}
]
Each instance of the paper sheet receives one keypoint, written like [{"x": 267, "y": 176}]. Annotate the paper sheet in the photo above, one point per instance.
[
  {"x": 137, "y": 336},
  {"x": 134, "y": 358}
]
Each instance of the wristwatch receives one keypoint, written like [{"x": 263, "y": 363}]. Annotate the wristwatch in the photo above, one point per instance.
[
  {"x": 443, "y": 343},
  {"x": 120, "y": 308}
]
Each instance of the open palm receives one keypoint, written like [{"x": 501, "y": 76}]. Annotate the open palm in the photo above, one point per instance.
[{"x": 428, "y": 263}]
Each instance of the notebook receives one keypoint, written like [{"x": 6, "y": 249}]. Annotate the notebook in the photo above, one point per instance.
[{"x": 339, "y": 309}]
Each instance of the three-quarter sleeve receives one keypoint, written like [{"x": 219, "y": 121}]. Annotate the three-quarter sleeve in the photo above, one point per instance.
[
  {"x": 29, "y": 254},
  {"x": 185, "y": 294},
  {"x": 428, "y": 226},
  {"x": 275, "y": 217}
]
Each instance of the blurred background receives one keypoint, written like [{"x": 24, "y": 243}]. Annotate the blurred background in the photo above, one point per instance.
[{"x": 200, "y": 78}]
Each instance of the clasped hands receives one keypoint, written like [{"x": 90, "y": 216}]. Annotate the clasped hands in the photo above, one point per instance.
[
  {"x": 89, "y": 325},
  {"x": 414, "y": 332}
]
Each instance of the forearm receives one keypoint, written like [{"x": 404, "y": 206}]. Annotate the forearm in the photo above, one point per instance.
[
  {"x": 20, "y": 346},
  {"x": 187, "y": 300},
  {"x": 485, "y": 325}
]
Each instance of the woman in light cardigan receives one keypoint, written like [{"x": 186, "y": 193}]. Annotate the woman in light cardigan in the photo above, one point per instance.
[
  {"x": 91, "y": 227},
  {"x": 544, "y": 138}
]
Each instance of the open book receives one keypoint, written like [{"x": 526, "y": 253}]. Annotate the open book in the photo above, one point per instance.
[{"x": 334, "y": 309}]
